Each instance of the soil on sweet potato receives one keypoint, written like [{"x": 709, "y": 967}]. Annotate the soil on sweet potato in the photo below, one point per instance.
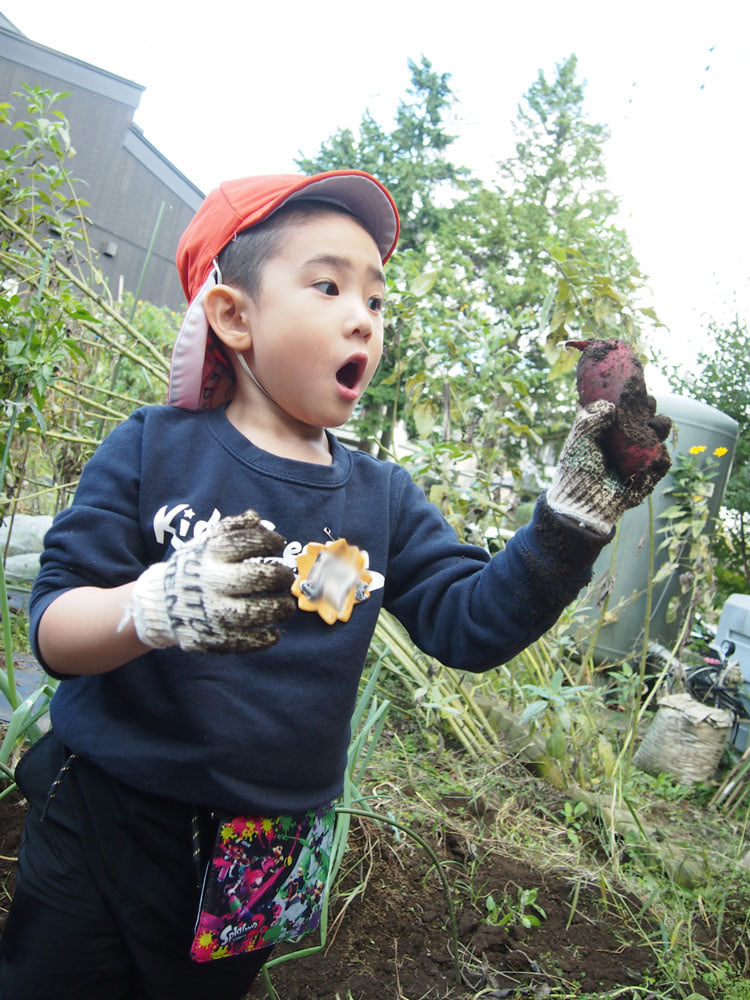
[{"x": 608, "y": 369}]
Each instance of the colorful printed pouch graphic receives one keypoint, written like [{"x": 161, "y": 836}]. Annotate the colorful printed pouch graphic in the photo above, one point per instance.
[{"x": 264, "y": 882}]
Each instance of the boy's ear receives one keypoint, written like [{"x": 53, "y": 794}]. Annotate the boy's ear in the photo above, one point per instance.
[{"x": 227, "y": 315}]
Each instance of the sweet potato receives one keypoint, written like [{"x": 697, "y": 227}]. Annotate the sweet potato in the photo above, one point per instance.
[{"x": 609, "y": 369}]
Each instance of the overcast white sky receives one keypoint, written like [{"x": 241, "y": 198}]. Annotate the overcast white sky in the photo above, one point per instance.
[{"x": 236, "y": 88}]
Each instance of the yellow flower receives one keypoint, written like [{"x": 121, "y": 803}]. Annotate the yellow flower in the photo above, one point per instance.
[
  {"x": 720, "y": 452},
  {"x": 697, "y": 449}
]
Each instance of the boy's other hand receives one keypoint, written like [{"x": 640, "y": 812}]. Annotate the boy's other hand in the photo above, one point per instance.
[
  {"x": 585, "y": 487},
  {"x": 216, "y": 593}
]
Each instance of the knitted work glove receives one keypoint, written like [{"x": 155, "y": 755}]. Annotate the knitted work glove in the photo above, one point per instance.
[
  {"x": 213, "y": 594},
  {"x": 585, "y": 487}
]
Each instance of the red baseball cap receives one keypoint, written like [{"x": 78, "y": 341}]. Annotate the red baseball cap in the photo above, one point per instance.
[{"x": 199, "y": 375}]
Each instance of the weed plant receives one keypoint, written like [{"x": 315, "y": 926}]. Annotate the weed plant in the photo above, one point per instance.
[{"x": 71, "y": 362}]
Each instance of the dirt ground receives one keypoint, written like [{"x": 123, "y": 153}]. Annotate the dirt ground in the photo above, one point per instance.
[
  {"x": 12, "y": 812},
  {"x": 394, "y": 940}
]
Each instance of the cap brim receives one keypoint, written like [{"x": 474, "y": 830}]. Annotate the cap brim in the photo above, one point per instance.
[{"x": 361, "y": 195}]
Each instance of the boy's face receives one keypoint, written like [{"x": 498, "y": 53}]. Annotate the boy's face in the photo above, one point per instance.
[{"x": 317, "y": 322}]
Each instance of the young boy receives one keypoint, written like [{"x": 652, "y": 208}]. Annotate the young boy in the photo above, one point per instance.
[{"x": 208, "y": 602}]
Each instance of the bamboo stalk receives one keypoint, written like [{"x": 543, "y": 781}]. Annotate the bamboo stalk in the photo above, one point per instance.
[
  {"x": 122, "y": 349},
  {"x": 470, "y": 726},
  {"x": 47, "y": 489},
  {"x": 100, "y": 389},
  {"x": 86, "y": 289},
  {"x": 59, "y": 436},
  {"x": 103, "y": 409},
  {"x": 734, "y": 788}
]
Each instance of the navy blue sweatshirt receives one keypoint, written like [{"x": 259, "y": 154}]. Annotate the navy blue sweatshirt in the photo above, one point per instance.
[{"x": 268, "y": 731}]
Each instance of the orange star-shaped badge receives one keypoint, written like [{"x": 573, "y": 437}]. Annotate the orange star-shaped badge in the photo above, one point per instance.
[{"x": 331, "y": 579}]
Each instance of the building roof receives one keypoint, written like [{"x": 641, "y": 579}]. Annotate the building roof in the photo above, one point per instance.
[
  {"x": 138, "y": 201},
  {"x": 18, "y": 48}
]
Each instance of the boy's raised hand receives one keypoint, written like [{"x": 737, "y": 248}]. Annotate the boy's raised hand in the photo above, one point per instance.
[
  {"x": 585, "y": 486},
  {"x": 216, "y": 594}
]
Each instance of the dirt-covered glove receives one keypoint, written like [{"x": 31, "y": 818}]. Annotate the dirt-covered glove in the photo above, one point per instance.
[
  {"x": 216, "y": 593},
  {"x": 585, "y": 487}
]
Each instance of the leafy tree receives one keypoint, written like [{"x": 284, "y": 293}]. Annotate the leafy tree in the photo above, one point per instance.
[
  {"x": 544, "y": 252},
  {"x": 59, "y": 334},
  {"x": 721, "y": 378},
  {"x": 411, "y": 160},
  {"x": 550, "y": 194},
  {"x": 40, "y": 232}
]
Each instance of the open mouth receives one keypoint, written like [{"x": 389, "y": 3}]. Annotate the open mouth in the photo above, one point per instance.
[{"x": 350, "y": 374}]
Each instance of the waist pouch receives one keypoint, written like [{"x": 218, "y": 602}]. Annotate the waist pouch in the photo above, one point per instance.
[{"x": 263, "y": 883}]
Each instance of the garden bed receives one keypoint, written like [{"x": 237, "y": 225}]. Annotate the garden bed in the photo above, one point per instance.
[
  {"x": 390, "y": 932},
  {"x": 395, "y": 940}
]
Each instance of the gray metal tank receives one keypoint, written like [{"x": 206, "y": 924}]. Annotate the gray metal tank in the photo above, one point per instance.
[{"x": 697, "y": 424}]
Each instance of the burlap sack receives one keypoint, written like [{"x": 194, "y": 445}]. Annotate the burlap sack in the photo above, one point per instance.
[{"x": 686, "y": 739}]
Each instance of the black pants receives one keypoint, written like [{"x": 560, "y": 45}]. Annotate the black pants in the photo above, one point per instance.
[{"x": 106, "y": 894}]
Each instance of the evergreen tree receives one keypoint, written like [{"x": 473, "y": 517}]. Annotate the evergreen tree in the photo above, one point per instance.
[
  {"x": 544, "y": 244},
  {"x": 550, "y": 194},
  {"x": 479, "y": 267}
]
